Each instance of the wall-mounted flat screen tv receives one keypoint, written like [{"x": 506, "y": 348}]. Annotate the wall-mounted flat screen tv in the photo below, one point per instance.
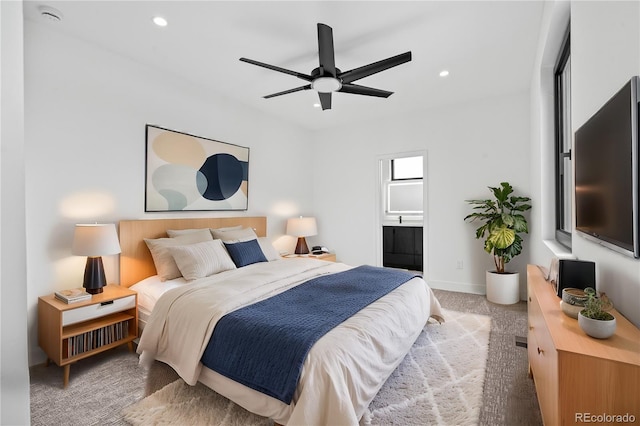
[{"x": 606, "y": 173}]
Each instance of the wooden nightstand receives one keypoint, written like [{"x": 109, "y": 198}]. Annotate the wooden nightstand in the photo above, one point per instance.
[
  {"x": 70, "y": 332},
  {"x": 329, "y": 257}
]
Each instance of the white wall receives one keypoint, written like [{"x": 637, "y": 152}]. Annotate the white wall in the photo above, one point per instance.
[
  {"x": 605, "y": 53},
  {"x": 85, "y": 112},
  {"x": 469, "y": 147},
  {"x": 14, "y": 375}
]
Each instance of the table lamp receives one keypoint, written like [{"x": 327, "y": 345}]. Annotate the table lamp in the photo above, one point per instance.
[
  {"x": 95, "y": 240},
  {"x": 302, "y": 227}
]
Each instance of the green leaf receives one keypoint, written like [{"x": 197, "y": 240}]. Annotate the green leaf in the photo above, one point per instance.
[
  {"x": 480, "y": 231},
  {"x": 520, "y": 224},
  {"x": 522, "y": 207},
  {"x": 513, "y": 250},
  {"x": 502, "y": 193},
  {"x": 508, "y": 220},
  {"x": 502, "y": 237}
]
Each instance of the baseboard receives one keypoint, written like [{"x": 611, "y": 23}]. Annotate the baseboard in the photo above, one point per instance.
[
  {"x": 37, "y": 357},
  {"x": 467, "y": 288},
  {"x": 459, "y": 287}
]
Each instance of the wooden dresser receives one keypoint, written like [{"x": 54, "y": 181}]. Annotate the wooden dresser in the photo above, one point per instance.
[{"x": 580, "y": 379}]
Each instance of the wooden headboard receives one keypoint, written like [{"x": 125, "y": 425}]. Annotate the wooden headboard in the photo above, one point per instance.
[{"x": 136, "y": 262}]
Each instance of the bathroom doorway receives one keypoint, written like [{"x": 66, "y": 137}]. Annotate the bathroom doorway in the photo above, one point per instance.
[{"x": 401, "y": 211}]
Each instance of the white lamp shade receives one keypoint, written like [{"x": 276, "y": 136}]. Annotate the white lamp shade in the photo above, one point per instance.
[
  {"x": 97, "y": 239},
  {"x": 302, "y": 226}
]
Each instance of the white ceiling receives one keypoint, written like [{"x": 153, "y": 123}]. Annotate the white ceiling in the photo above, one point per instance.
[{"x": 488, "y": 48}]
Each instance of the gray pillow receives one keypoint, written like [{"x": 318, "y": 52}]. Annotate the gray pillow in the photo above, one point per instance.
[
  {"x": 166, "y": 267},
  {"x": 202, "y": 259},
  {"x": 175, "y": 232},
  {"x": 234, "y": 235}
]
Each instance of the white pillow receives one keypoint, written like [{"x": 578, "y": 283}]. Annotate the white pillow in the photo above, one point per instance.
[
  {"x": 234, "y": 235},
  {"x": 268, "y": 249},
  {"x": 165, "y": 265},
  {"x": 202, "y": 259},
  {"x": 176, "y": 232}
]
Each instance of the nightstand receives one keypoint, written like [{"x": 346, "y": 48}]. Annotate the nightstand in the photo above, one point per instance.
[
  {"x": 74, "y": 331},
  {"x": 329, "y": 257}
]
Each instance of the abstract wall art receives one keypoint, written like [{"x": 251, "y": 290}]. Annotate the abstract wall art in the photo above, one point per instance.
[{"x": 186, "y": 172}]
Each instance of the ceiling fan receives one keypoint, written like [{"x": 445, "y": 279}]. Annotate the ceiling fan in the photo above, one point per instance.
[{"x": 327, "y": 79}]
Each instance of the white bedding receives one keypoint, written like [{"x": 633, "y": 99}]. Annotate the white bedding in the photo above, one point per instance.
[
  {"x": 343, "y": 371},
  {"x": 149, "y": 291}
]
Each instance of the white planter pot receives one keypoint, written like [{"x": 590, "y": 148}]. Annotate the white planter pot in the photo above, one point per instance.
[
  {"x": 597, "y": 328},
  {"x": 503, "y": 289}
]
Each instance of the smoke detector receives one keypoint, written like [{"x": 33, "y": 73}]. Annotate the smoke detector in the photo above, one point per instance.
[{"x": 50, "y": 13}]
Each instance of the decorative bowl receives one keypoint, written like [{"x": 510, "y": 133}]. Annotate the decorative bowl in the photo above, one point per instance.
[
  {"x": 571, "y": 310},
  {"x": 574, "y": 296},
  {"x": 573, "y": 300}
]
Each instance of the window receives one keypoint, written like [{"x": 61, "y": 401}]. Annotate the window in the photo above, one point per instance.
[
  {"x": 406, "y": 168},
  {"x": 563, "y": 143}
]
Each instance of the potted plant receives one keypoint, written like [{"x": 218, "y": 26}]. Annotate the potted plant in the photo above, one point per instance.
[
  {"x": 594, "y": 319},
  {"x": 502, "y": 222}
]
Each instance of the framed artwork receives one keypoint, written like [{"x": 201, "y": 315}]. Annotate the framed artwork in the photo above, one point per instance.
[{"x": 185, "y": 172}]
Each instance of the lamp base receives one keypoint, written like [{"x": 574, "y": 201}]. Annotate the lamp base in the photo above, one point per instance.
[
  {"x": 301, "y": 246},
  {"x": 94, "y": 278}
]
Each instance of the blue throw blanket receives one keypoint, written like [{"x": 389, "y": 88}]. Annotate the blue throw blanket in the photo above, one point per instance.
[{"x": 264, "y": 345}]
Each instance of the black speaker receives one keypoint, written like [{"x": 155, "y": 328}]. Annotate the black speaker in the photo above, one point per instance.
[{"x": 575, "y": 274}]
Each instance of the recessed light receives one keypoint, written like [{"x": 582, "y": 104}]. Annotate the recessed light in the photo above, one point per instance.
[
  {"x": 444, "y": 73},
  {"x": 317, "y": 105},
  {"x": 160, "y": 21}
]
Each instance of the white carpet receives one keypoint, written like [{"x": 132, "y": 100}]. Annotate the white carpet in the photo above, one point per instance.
[{"x": 439, "y": 382}]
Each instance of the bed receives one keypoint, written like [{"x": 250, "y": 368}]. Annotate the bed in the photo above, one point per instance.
[{"x": 343, "y": 370}]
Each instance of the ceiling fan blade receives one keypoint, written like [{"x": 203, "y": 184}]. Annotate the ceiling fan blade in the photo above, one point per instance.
[
  {"x": 363, "y": 90},
  {"x": 325, "y": 49},
  {"x": 275, "y": 68},
  {"x": 376, "y": 67},
  {"x": 297, "y": 89},
  {"x": 325, "y": 100}
]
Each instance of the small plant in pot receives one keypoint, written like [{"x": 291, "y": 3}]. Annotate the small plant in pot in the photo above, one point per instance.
[
  {"x": 502, "y": 222},
  {"x": 594, "y": 319}
]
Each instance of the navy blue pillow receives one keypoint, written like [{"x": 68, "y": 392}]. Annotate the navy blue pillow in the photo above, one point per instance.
[{"x": 245, "y": 253}]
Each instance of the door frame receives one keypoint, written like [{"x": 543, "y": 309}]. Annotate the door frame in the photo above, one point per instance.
[{"x": 379, "y": 199}]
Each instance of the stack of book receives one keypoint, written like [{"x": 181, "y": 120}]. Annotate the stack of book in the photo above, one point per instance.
[
  {"x": 73, "y": 295},
  {"x": 94, "y": 339}
]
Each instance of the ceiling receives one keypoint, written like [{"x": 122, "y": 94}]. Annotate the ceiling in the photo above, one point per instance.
[{"x": 488, "y": 48}]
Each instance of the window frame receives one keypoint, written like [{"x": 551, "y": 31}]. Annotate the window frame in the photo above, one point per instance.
[{"x": 562, "y": 196}]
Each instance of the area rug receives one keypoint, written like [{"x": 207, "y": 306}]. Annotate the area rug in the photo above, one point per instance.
[{"x": 439, "y": 382}]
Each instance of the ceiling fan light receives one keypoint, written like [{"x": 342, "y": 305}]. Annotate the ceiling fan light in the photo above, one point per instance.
[{"x": 326, "y": 84}]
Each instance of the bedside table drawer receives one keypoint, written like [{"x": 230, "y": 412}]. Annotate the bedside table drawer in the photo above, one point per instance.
[{"x": 97, "y": 310}]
